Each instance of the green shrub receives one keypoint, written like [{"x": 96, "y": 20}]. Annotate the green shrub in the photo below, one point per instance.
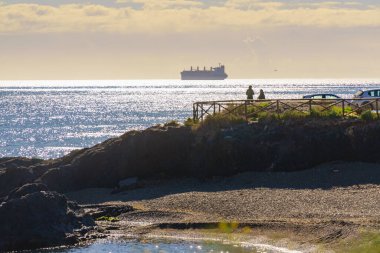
[
  {"x": 173, "y": 123},
  {"x": 367, "y": 115},
  {"x": 265, "y": 116},
  {"x": 252, "y": 109},
  {"x": 190, "y": 122},
  {"x": 292, "y": 115},
  {"x": 236, "y": 109},
  {"x": 332, "y": 113},
  {"x": 237, "y": 114},
  {"x": 239, "y": 109},
  {"x": 220, "y": 121}
]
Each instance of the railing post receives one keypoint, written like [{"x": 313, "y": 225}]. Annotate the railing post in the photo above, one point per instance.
[
  {"x": 377, "y": 108},
  {"x": 214, "y": 105},
  {"x": 201, "y": 112},
  {"x": 278, "y": 107},
  {"x": 245, "y": 110},
  {"x": 310, "y": 107},
  {"x": 194, "y": 115},
  {"x": 343, "y": 108},
  {"x": 197, "y": 111}
]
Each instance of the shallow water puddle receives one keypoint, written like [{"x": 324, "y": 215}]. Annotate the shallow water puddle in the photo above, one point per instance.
[{"x": 159, "y": 247}]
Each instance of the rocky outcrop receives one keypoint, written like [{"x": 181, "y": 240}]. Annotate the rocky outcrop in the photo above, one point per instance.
[
  {"x": 154, "y": 152},
  {"x": 49, "y": 219},
  {"x": 17, "y": 162},
  {"x": 15, "y": 172},
  {"x": 178, "y": 151},
  {"x": 12, "y": 178},
  {"x": 32, "y": 217}
]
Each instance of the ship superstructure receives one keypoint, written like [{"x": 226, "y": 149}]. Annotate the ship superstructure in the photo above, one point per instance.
[{"x": 214, "y": 73}]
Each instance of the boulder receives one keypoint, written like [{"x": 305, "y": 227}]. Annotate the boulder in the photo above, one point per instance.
[
  {"x": 34, "y": 218},
  {"x": 14, "y": 178},
  {"x": 26, "y": 189}
]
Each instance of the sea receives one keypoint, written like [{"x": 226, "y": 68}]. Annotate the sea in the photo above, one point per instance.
[{"x": 48, "y": 119}]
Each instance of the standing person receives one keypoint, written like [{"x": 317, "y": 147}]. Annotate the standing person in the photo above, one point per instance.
[
  {"x": 261, "y": 95},
  {"x": 250, "y": 92}
]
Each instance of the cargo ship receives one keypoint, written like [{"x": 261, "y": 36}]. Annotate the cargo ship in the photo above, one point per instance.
[{"x": 216, "y": 73}]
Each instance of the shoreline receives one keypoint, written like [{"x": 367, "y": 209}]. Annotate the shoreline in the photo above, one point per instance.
[
  {"x": 292, "y": 180},
  {"x": 218, "y": 209}
]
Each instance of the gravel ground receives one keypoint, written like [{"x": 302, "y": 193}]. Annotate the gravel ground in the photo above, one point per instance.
[
  {"x": 255, "y": 204},
  {"x": 312, "y": 194},
  {"x": 329, "y": 205}
]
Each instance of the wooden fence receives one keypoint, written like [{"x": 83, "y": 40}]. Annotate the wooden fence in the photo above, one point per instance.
[{"x": 251, "y": 108}]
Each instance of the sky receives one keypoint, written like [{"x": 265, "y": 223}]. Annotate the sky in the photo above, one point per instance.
[{"x": 156, "y": 39}]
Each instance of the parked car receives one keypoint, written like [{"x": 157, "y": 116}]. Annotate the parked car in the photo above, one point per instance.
[
  {"x": 370, "y": 94},
  {"x": 321, "y": 96}
]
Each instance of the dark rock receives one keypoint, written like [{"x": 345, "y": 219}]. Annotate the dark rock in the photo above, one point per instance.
[
  {"x": 13, "y": 178},
  {"x": 17, "y": 162},
  {"x": 177, "y": 151},
  {"x": 26, "y": 189},
  {"x": 158, "y": 151},
  {"x": 32, "y": 218}
]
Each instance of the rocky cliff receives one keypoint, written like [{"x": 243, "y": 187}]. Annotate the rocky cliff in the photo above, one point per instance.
[{"x": 179, "y": 151}]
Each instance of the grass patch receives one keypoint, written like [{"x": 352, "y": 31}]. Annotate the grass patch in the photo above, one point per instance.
[
  {"x": 172, "y": 123},
  {"x": 228, "y": 227},
  {"x": 367, "y": 242},
  {"x": 220, "y": 121},
  {"x": 333, "y": 112},
  {"x": 368, "y": 115},
  {"x": 108, "y": 218},
  {"x": 292, "y": 115},
  {"x": 237, "y": 114}
]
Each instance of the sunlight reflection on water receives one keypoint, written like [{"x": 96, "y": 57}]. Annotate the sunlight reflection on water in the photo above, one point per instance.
[
  {"x": 49, "y": 118},
  {"x": 145, "y": 247}
]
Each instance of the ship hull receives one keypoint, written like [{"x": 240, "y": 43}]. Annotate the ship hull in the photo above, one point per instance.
[
  {"x": 216, "y": 73},
  {"x": 195, "y": 77},
  {"x": 203, "y": 75}
]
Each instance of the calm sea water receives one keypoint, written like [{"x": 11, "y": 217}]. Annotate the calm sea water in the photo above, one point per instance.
[{"x": 48, "y": 119}]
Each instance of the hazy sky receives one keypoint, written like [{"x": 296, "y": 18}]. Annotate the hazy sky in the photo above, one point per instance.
[{"x": 141, "y": 39}]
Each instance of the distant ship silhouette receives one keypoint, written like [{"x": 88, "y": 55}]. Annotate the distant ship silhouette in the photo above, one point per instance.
[{"x": 216, "y": 73}]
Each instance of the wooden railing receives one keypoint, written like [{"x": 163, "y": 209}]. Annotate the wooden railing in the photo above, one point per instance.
[{"x": 251, "y": 108}]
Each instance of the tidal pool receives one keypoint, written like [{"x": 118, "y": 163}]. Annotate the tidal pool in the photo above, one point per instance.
[{"x": 157, "y": 247}]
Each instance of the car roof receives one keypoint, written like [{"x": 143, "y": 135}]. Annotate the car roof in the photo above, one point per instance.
[
  {"x": 369, "y": 90},
  {"x": 321, "y": 94}
]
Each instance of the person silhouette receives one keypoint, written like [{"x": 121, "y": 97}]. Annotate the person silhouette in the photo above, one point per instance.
[
  {"x": 250, "y": 92},
  {"x": 261, "y": 95}
]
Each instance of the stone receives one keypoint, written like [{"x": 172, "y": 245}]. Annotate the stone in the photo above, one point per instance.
[{"x": 32, "y": 218}]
